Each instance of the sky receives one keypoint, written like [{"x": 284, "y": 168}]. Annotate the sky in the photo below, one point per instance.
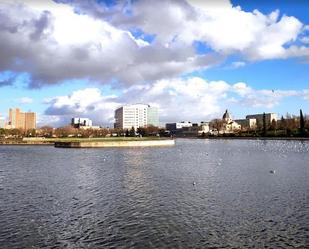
[{"x": 191, "y": 58}]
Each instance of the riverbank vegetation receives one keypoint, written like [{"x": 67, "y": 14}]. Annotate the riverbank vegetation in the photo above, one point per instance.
[{"x": 48, "y": 135}]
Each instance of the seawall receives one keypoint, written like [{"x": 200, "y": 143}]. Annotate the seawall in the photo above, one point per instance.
[{"x": 106, "y": 144}]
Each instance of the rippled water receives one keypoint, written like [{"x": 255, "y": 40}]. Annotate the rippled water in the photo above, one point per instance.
[{"x": 145, "y": 197}]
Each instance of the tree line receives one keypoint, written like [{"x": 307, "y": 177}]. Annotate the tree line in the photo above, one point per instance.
[{"x": 69, "y": 131}]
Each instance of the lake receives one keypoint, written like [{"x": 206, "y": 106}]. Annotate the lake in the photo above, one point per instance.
[{"x": 197, "y": 194}]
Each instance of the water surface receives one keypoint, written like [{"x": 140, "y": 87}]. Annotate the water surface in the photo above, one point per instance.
[{"x": 145, "y": 197}]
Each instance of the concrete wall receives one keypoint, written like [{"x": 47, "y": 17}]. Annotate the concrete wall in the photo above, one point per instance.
[{"x": 102, "y": 144}]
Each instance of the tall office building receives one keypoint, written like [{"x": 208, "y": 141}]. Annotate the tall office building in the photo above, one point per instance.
[
  {"x": 138, "y": 115},
  {"x": 22, "y": 120}
]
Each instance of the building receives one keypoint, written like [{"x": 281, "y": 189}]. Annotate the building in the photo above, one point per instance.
[
  {"x": 83, "y": 123},
  {"x": 21, "y": 120},
  {"x": 249, "y": 123},
  {"x": 229, "y": 126},
  {"x": 204, "y": 128},
  {"x": 138, "y": 115},
  {"x": 172, "y": 127},
  {"x": 78, "y": 122},
  {"x": 269, "y": 118}
]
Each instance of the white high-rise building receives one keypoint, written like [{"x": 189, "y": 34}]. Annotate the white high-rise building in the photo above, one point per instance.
[{"x": 138, "y": 115}]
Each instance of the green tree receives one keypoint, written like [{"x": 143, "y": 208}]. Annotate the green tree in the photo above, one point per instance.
[
  {"x": 132, "y": 132},
  {"x": 264, "y": 124},
  {"x": 30, "y": 133},
  {"x": 302, "y": 123},
  {"x": 46, "y": 131},
  {"x": 2, "y": 132}
]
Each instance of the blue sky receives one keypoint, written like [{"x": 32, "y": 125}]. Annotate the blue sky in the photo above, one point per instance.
[{"x": 60, "y": 62}]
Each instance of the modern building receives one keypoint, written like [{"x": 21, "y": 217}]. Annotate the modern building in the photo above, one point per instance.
[
  {"x": 269, "y": 118},
  {"x": 172, "y": 127},
  {"x": 138, "y": 115},
  {"x": 78, "y": 122},
  {"x": 21, "y": 120}
]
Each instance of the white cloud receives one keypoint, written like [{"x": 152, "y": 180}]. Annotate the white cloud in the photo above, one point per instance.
[
  {"x": 53, "y": 43},
  {"x": 25, "y": 100},
  {"x": 89, "y": 102},
  {"x": 225, "y": 28},
  {"x": 178, "y": 99}
]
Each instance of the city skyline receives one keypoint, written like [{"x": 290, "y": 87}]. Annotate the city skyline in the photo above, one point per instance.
[{"x": 69, "y": 59}]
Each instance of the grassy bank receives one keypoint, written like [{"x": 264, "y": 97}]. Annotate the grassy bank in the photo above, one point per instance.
[{"x": 51, "y": 141}]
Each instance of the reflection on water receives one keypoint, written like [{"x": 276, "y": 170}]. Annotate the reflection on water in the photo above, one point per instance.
[{"x": 144, "y": 197}]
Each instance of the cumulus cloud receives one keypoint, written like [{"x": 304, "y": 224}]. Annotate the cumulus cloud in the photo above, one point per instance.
[
  {"x": 193, "y": 99},
  {"x": 59, "y": 41},
  {"x": 89, "y": 102},
  {"x": 54, "y": 43},
  {"x": 225, "y": 28}
]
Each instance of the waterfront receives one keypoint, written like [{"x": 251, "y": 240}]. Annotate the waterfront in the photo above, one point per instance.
[{"x": 145, "y": 197}]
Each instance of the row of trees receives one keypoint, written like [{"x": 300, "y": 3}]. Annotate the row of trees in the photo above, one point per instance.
[{"x": 69, "y": 131}]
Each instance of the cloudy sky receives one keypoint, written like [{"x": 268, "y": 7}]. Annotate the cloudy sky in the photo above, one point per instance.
[{"x": 191, "y": 58}]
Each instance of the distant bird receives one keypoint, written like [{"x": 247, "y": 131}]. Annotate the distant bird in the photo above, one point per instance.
[
  {"x": 272, "y": 171},
  {"x": 273, "y": 90},
  {"x": 193, "y": 183}
]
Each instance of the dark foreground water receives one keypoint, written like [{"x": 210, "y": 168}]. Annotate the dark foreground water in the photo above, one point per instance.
[{"x": 145, "y": 198}]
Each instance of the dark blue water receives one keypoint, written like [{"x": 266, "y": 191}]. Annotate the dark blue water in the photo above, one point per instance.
[{"x": 145, "y": 197}]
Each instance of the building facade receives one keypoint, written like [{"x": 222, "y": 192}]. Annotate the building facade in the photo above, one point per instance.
[
  {"x": 178, "y": 126},
  {"x": 138, "y": 115},
  {"x": 229, "y": 126},
  {"x": 249, "y": 123},
  {"x": 269, "y": 118},
  {"x": 78, "y": 122},
  {"x": 21, "y": 120}
]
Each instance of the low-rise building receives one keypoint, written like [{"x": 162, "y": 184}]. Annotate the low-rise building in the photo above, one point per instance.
[
  {"x": 173, "y": 127},
  {"x": 204, "y": 128},
  {"x": 81, "y": 122},
  {"x": 269, "y": 118},
  {"x": 248, "y": 123},
  {"x": 229, "y": 126}
]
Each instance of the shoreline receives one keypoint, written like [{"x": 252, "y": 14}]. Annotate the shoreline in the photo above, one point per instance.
[
  {"x": 144, "y": 141},
  {"x": 93, "y": 142},
  {"x": 260, "y": 138},
  {"x": 115, "y": 144}
]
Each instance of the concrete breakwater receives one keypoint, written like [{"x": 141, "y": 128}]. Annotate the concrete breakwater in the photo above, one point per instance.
[{"x": 106, "y": 144}]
